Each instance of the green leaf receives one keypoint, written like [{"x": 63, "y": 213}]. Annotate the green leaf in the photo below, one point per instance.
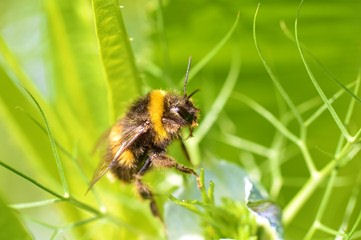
[
  {"x": 10, "y": 225},
  {"x": 117, "y": 56}
]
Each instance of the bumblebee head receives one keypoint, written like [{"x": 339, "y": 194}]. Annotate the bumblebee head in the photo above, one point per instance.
[
  {"x": 186, "y": 112},
  {"x": 184, "y": 108}
]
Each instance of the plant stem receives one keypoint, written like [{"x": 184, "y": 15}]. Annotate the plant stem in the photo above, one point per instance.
[
  {"x": 48, "y": 190},
  {"x": 274, "y": 79},
  {"x": 53, "y": 145},
  {"x": 313, "y": 182},
  {"x": 315, "y": 83},
  {"x": 35, "y": 204}
]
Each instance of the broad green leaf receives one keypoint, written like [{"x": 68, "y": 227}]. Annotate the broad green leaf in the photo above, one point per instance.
[
  {"x": 10, "y": 225},
  {"x": 117, "y": 56}
]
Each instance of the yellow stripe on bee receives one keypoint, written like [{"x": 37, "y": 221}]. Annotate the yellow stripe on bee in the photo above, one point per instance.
[
  {"x": 127, "y": 159},
  {"x": 155, "y": 109}
]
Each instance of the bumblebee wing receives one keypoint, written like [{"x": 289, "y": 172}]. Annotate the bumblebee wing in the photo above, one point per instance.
[
  {"x": 101, "y": 141},
  {"x": 126, "y": 140}
]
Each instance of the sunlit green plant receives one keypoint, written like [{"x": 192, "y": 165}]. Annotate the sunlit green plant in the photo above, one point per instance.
[
  {"x": 54, "y": 136},
  {"x": 230, "y": 219}
]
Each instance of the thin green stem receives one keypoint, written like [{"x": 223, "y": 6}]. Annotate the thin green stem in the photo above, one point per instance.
[
  {"x": 311, "y": 231},
  {"x": 247, "y": 145},
  {"x": 322, "y": 207},
  {"x": 72, "y": 200},
  {"x": 323, "y": 108},
  {"x": 274, "y": 79},
  {"x": 211, "y": 117},
  {"x": 268, "y": 116},
  {"x": 301, "y": 197},
  {"x": 248, "y": 162},
  {"x": 54, "y": 235},
  {"x": 329, "y": 230},
  {"x": 275, "y": 165},
  {"x": 282, "y": 128},
  {"x": 354, "y": 227},
  {"x": 288, "y": 34},
  {"x": 54, "y": 148},
  {"x": 80, "y": 223},
  {"x": 37, "y": 221},
  {"x": 35, "y": 204},
  {"x": 15, "y": 67},
  {"x": 62, "y": 149},
  {"x": 349, "y": 113},
  {"x": 48, "y": 190},
  {"x": 312, "y": 183},
  {"x": 31, "y": 180},
  {"x": 277, "y": 145},
  {"x": 326, "y": 196},
  {"x": 350, "y": 207},
  {"x": 302, "y": 108},
  {"x": 315, "y": 83},
  {"x": 307, "y": 156},
  {"x": 356, "y": 235},
  {"x": 220, "y": 101}
]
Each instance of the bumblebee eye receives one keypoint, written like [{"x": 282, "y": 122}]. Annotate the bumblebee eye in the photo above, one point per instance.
[{"x": 185, "y": 114}]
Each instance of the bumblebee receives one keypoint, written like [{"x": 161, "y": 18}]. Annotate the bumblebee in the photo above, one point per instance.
[{"x": 138, "y": 141}]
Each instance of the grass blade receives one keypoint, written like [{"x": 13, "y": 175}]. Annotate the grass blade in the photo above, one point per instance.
[
  {"x": 118, "y": 60},
  {"x": 274, "y": 79},
  {"x": 54, "y": 148},
  {"x": 315, "y": 83},
  {"x": 288, "y": 34}
]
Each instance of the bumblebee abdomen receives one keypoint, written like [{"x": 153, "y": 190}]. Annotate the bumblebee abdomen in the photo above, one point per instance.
[
  {"x": 123, "y": 173},
  {"x": 127, "y": 158}
]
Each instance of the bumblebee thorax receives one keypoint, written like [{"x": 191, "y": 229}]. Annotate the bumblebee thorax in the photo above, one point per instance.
[{"x": 155, "y": 111}]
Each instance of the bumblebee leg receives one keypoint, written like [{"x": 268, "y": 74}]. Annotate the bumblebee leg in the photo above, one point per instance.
[
  {"x": 162, "y": 160},
  {"x": 144, "y": 190}
]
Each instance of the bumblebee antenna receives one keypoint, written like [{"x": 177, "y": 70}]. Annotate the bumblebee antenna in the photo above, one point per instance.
[
  {"x": 194, "y": 92},
  {"x": 186, "y": 77}
]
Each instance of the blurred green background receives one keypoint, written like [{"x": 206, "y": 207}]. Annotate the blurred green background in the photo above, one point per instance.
[{"x": 51, "y": 48}]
